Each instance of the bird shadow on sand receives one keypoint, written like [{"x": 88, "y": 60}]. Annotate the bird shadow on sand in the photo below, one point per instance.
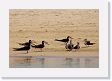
[
  {"x": 20, "y": 53},
  {"x": 38, "y": 51},
  {"x": 86, "y": 47}
]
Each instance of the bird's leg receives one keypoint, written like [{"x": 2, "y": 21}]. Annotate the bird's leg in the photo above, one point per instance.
[{"x": 27, "y": 51}]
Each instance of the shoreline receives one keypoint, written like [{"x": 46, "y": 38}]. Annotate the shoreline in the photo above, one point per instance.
[{"x": 61, "y": 54}]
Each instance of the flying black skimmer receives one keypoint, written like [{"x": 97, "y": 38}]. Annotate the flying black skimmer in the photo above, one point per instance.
[
  {"x": 64, "y": 40},
  {"x": 42, "y": 45},
  {"x": 25, "y": 48},
  {"x": 69, "y": 45},
  {"x": 87, "y": 43}
]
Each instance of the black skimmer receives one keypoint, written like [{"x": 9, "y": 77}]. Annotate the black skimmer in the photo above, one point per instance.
[
  {"x": 64, "y": 40},
  {"x": 25, "y": 48},
  {"x": 77, "y": 46},
  {"x": 40, "y": 45},
  {"x": 69, "y": 45},
  {"x": 87, "y": 43}
]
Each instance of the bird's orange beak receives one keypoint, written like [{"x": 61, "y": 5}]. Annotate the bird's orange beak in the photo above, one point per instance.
[
  {"x": 46, "y": 42},
  {"x": 71, "y": 38}
]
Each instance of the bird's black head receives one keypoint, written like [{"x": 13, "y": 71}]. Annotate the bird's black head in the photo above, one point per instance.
[
  {"x": 30, "y": 41},
  {"x": 44, "y": 42},
  {"x": 69, "y": 37}
]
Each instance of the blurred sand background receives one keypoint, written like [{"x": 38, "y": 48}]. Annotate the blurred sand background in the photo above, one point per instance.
[{"x": 51, "y": 24}]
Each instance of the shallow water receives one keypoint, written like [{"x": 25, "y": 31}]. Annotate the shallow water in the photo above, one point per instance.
[{"x": 53, "y": 62}]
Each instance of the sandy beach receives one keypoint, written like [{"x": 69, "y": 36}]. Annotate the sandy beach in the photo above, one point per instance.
[{"x": 51, "y": 24}]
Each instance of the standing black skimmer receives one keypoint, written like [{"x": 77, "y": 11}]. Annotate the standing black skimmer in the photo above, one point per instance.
[
  {"x": 69, "y": 45},
  {"x": 40, "y": 45},
  {"x": 25, "y": 48},
  {"x": 77, "y": 46},
  {"x": 87, "y": 43},
  {"x": 64, "y": 40}
]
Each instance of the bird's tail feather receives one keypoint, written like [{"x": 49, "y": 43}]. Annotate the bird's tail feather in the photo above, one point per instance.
[
  {"x": 57, "y": 40},
  {"x": 15, "y": 49}
]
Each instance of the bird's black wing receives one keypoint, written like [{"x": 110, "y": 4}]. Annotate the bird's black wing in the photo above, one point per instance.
[
  {"x": 20, "y": 49},
  {"x": 37, "y": 46},
  {"x": 24, "y": 44}
]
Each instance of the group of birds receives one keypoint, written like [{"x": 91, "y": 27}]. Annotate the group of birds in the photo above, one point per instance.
[
  {"x": 28, "y": 45},
  {"x": 67, "y": 41}
]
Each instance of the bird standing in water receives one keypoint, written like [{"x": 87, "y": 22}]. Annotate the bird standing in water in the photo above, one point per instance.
[
  {"x": 25, "y": 48},
  {"x": 42, "y": 45},
  {"x": 64, "y": 40}
]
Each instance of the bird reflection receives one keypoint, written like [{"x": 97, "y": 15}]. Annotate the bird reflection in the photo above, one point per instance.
[
  {"x": 42, "y": 62},
  {"x": 66, "y": 62},
  {"x": 27, "y": 61},
  {"x": 69, "y": 62}
]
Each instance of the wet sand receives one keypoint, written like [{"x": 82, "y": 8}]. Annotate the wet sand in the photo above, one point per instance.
[{"x": 48, "y": 25}]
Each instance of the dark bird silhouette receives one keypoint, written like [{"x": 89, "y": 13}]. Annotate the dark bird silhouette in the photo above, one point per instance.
[
  {"x": 87, "y": 43},
  {"x": 69, "y": 45},
  {"x": 25, "y": 48},
  {"x": 40, "y": 45},
  {"x": 77, "y": 46},
  {"x": 64, "y": 40}
]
